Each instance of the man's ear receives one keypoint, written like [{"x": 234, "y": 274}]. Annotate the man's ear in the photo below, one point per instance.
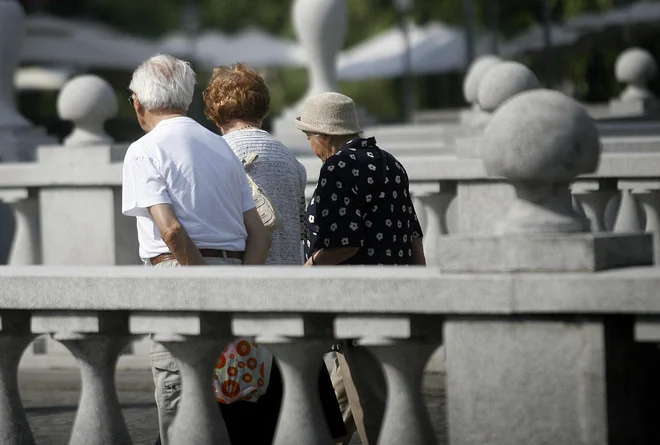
[{"x": 139, "y": 108}]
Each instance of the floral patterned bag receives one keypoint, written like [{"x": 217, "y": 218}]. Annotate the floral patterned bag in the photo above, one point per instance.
[{"x": 242, "y": 372}]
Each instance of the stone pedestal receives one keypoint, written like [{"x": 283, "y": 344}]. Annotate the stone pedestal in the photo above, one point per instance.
[
  {"x": 547, "y": 376},
  {"x": 98, "y": 234},
  {"x": 635, "y": 107},
  {"x": 543, "y": 253}
]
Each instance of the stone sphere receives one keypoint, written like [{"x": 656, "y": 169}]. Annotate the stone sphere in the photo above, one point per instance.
[
  {"x": 87, "y": 98},
  {"x": 635, "y": 66},
  {"x": 541, "y": 135},
  {"x": 475, "y": 73},
  {"x": 503, "y": 81}
]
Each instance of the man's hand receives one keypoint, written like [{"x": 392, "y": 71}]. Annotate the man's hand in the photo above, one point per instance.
[
  {"x": 175, "y": 236},
  {"x": 258, "y": 240}
]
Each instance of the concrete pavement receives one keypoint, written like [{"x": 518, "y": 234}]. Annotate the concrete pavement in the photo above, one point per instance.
[{"x": 51, "y": 397}]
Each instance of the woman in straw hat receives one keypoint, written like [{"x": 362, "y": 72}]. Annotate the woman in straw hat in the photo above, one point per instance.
[{"x": 361, "y": 213}]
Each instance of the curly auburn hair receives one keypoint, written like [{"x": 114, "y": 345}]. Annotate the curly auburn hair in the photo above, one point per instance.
[{"x": 236, "y": 92}]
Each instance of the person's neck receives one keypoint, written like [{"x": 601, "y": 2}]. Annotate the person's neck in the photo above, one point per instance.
[
  {"x": 238, "y": 124},
  {"x": 153, "y": 119}
]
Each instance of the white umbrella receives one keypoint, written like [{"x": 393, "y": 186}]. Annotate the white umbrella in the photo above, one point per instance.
[
  {"x": 252, "y": 46},
  {"x": 635, "y": 13},
  {"x": 53, "y": 40},
  {"x": 41, "y": 78},
  {"x": 533, "y": 40},
  {"x": 434, "y": 48},
  {"x": 260, "y": 50},
  {"x": 195, "y": 49}
]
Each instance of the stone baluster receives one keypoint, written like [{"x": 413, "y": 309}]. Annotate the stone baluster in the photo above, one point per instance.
[
  {"x": 195, "y": 340},
  {"x": 198, "y": 419},
  {"x": 299, "y": 343},
  {"x": 649, "y": 198},
  {"x": 26, "y": 245},
  {"x": 594, "y": 196},
  {"x": 629, "y": 217},
  {"x": 14, "y": 338},
  {"x": 403, "y": 345},
  {"x": 635, "y": 67},
  {"x": 435, "y": 204},
  {"x": 96, "y": 341},
  {"x": 406, "y": 418}
]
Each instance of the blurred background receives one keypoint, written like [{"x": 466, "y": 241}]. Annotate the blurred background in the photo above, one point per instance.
[{"x": 399, "y": 56}]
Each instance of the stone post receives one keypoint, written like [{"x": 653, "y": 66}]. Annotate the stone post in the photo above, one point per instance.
[
  {"x": 473, "y": 77},
  {"x": 501, "y": 81},
  {"x": 321, "y": 27},
  {"x": 553, "y": 375},
  {"x": 481, "y": 202},
  {"x": 12, "y": 24},
  {"x": 635, "y": 67},
  {"x": 19, "y": 136},
  {"x": 81, "y": 221}
]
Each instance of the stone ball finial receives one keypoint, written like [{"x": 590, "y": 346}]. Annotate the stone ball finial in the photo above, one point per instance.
[
  {"x": 636, "y": 67},
  {"x": 502, "y": 82},
  {"x": 540, "y": 140},
  {"x": 475, "y": 74},
  {"x": 88, "y": 101}
]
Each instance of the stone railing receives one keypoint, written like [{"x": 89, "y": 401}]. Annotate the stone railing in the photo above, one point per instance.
[{"x": 510, "y": 340}]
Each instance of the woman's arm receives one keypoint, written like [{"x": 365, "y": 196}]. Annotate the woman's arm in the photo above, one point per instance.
[
  {"x": 332, "y": 256},
  {"x": 419, "y": 259}
]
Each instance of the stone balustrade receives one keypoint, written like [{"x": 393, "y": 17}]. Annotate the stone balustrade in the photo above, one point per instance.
[{"x": 490, "y": 324}]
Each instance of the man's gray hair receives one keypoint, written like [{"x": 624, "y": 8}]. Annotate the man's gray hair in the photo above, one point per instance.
[{"x": 164, "y": 82}]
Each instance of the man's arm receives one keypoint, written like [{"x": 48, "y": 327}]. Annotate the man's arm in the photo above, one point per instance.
[
  {"x": 175, "y": 236},
  {"x": 258, "y": 239}
]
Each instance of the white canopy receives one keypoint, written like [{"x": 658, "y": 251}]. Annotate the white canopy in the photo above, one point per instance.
[
  {"x": 532, "y": 40},
  {"x": 434, "y": 48},
  {"x": 252, "y": 46},
  {"x": 574, "y": 28},
  {"x": 41, "y": 79},
  {"x": 630, "y": 14},
  {"x": 53, "y": 40}
]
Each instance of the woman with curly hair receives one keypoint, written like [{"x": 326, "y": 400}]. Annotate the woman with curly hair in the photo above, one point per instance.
[{"x": 237, "y": 100}]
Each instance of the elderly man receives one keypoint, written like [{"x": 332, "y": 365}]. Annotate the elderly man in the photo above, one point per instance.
[
  {"x": 361, "y": 214},
  {"x": 189, "y": 194}
]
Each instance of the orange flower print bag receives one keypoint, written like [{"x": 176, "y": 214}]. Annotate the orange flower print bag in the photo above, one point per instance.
[{"x": 242, "y": 372}]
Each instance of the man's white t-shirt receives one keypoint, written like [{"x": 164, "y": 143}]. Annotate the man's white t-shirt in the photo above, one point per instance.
[{"x": 182, "y": 163}]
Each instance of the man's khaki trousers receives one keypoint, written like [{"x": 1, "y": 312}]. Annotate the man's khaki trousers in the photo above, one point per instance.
[{"x": 361, "y": 390}]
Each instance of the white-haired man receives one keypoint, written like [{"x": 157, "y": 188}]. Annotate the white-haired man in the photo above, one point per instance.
[{"x": 189, "y": 194}]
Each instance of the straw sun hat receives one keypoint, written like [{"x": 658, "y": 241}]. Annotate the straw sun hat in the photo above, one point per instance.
[{"x": 329, "y": 113}]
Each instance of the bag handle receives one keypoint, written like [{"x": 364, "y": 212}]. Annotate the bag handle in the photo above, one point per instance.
[{"x": 249, "y": 159}]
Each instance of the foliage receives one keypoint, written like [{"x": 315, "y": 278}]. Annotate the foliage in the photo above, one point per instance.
[{"x": 589, "y": 64}]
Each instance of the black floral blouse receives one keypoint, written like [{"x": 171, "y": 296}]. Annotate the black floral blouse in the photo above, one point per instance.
[{"x": 356, "y": 205}]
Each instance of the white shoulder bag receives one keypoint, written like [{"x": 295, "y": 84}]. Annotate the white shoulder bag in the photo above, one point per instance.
[{"x": 270, "y": 216}]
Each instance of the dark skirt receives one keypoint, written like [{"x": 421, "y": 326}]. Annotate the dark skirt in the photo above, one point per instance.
[{"x": 254, "y": 423}]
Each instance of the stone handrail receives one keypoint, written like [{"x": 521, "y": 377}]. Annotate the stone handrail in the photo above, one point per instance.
[{"x": 402, "y": 315}]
